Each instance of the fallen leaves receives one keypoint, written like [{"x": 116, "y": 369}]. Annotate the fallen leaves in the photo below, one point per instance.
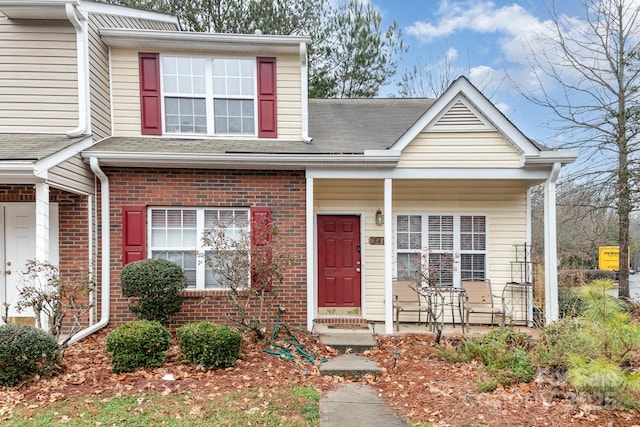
[{"x": 427, "y": 388}]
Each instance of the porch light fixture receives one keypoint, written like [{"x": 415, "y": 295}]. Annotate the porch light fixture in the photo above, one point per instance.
[{"x": 379, "y": 217}]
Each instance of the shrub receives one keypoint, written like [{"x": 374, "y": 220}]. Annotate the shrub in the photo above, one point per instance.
[
  {"x": 503, "y": 352},
  {"x": 603, "y": 378},
  {"x": 577, "y": 278},
  {"x": 570, "y": 303},
  {"x": 156, "y": 285},
  {"x": 56, "y": 300},
  {"x": 138, "y": 344},
  {"x": 597, "y": 348},
  {"x": 24, "y": 352},
  {"x": 561, "y": 339},
  {"x": 209, "y": 345}
]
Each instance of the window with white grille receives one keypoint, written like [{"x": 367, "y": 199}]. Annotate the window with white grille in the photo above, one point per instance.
[{"x": 453, "y": 247}]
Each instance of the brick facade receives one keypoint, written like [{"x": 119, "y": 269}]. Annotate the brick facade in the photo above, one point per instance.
[{"x": 282, "y": 191}]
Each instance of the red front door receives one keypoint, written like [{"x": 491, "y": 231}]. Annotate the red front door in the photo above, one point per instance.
[{"x": 339, "y": 266}]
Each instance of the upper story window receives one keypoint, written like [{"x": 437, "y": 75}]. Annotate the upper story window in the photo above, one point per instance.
[
  {"x": 209, "y": 95},
  {"x": 455, "y": 246}
]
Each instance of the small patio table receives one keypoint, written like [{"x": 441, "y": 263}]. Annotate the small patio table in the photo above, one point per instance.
[{"x": 441, "y": 297}]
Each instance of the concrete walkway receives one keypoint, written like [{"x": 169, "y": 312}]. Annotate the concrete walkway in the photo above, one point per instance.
[{"x": 355, "y": 405}]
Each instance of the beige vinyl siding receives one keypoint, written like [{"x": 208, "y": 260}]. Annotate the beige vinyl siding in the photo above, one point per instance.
[
  {"x": 38, "y": 76},
  {"x": 74, "y": 175},
  {"x": 289, "y": 97},
  {"x": 125, "y": 92},
  {"x": 99, "y": 66},
  {"x": 99, "y": 80},
  {"x": 126, "y": 96},
  {"x": 485, "y": 149},
  {"x": 503, "y": 203}
]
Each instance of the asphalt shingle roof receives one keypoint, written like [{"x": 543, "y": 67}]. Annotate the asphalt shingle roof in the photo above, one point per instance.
[
  {"x": 33, "y": 146},
  {"x": 337, "y": 126}
]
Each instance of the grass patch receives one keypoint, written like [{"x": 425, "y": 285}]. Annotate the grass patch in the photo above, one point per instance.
[{"x": 291, "y": 406}]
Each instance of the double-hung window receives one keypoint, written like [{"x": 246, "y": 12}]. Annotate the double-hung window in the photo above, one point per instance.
[
  {"x": 176, "y": 235},
  {"x": 209, "y": 95},
  {"x": 452, "y": 247}
]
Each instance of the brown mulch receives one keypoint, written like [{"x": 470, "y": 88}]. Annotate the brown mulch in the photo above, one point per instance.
[{"x": 416, "y": 380}]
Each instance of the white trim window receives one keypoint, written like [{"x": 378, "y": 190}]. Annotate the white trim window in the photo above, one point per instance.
[
  {"x": 176, "y": 234},
  {"x": 206, "y": 95},
  {"x": 453, "y": 246}
]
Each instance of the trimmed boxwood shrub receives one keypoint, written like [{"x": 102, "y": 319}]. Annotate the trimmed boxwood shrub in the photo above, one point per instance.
[
  {"x": 155, "y": 284},
  {"x": 138, "y": 344},
  {"x": 210, "y": 345},
  {"x": 24, "y": 352}
]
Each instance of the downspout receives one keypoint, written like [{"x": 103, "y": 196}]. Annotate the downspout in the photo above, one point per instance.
[
  {"x": 92, "y": 294},
  {"x": 304, "y": 84},
  {"x": 106, "y": 253},
  {"x": 551, "y": 247},
  {"x": 79, "y": 22}
]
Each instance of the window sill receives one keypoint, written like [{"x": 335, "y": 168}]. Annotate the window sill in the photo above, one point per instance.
[{"x": 195, "y": 293}]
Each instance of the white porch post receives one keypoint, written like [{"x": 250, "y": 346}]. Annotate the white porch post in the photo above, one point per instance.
[
  {"x": 388, "y": 255},
  {"x": 311, "y": 261},
  {"x": 42, "y": 222},
  {"x": 551, "y": 310}
]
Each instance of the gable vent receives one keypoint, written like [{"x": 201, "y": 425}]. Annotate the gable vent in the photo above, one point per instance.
[{"x": 459, "y": 116}]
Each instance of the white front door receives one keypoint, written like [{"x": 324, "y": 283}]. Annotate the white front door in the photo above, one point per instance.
[{"x": 17, "y": 245}]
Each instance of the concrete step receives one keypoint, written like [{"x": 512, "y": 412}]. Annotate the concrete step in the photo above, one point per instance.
[
  {"x": 350, "y": 365},
  {"x": 349, "y": 342}
]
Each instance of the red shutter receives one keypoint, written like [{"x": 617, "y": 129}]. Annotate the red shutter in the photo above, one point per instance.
[
  {"x": 267, "y": 108},
  {"x": 150, "y": 112},
  {"x": 260, "y": 236},
  {"x": 134, "y": 231}
]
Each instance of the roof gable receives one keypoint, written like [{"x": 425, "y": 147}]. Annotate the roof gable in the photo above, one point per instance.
[{"x": 462, "y": 107}]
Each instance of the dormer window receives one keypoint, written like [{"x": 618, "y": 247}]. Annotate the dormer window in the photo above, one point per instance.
[{"x": 207, "y": 95}]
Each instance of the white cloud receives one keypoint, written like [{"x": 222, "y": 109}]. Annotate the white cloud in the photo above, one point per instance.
[
  {"x": 473, "y": 15},
  {"x": 519, "y": 37}
]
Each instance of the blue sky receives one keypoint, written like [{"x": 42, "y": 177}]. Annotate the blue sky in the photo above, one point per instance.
[{"x": 485, "y": 38}]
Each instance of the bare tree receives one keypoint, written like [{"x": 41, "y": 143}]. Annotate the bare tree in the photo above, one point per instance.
[
  {"x": 586, "y": 72},
  {"x": 431, "y": 78},
  {"x": 585, "y": 222}
]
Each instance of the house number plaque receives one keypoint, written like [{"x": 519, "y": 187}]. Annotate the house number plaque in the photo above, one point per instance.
[{"x": 376, "y": 240}]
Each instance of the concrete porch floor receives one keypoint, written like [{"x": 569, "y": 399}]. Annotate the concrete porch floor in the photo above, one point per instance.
[{"x": 414, "y": 328}]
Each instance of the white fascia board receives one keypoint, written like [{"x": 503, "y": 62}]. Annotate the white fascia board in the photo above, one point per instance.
[
  {"x": 35, "y": 9},
  {"x": 462, "y": 86},
  {"x": 440, "y": 173},
  {"x": 551, "y": 157},
  {"x": 205, "y": 42},
  {"x": 383, "y": 153},
  {"x": 239, "y": 160},
  {"x": 42, "y": 166},
  {"x": 18, "y": 172}
]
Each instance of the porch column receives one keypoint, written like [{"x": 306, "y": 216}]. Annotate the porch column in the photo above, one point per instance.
[
  {"x": 388, "y": 255},
  {"x": 551, "y": 311},
  {"x": 42, "y": 222},
  {"x": 311, "y": 261}
]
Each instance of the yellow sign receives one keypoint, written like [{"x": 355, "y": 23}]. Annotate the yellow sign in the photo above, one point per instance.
[{"x": 609, "y": 257}]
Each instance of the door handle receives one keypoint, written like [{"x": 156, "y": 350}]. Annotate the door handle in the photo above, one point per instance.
[{"x": 358, "y": 270}]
